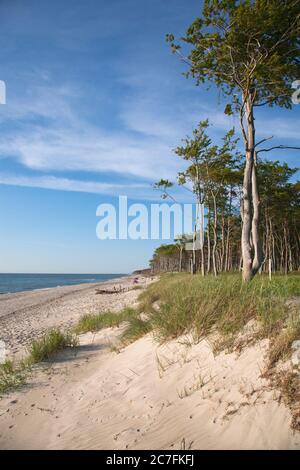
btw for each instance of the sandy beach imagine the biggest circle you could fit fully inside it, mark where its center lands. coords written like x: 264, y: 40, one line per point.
x: 178, y: 395
x: 28, y: 315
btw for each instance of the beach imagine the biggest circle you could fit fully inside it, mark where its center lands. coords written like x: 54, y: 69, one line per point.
x: 25, y: 316
x: 146, y: 395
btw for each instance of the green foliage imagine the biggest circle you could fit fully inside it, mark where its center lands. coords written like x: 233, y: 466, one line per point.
x: 276, y: 190
x: 166, y: 250
x: 96, y: 322
x: 246, y: 45
x: 228, y: 109
x: 193, y: 303
x: 10, y: 376
x: 163, y: 186
x: 14, y: 374
x: 250, y: 50
x: 50, y: 344
x: 136, y: 328
x: 213, y: 169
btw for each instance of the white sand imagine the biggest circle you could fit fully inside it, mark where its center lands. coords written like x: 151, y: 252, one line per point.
x: 28, y: 315
x: 147, y: 397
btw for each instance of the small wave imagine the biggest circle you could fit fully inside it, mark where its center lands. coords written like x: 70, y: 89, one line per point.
x: 39, y: 288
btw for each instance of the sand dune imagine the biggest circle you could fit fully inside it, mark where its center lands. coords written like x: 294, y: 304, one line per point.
x: 145, y: 396
x: 148, y: 396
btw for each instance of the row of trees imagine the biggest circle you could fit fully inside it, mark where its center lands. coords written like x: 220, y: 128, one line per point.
x: 221, y: 193
x: 250, y: 51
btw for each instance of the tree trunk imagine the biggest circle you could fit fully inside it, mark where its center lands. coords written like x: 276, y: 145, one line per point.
x: 208, y: 240
x: 180, y: 259
x: 223, y: 243
x: 215, y: 234
x: 251, y: 248
x: 228, y: 233
x: 247, y: 220
x: 257, y: 260
x: 201, y: 215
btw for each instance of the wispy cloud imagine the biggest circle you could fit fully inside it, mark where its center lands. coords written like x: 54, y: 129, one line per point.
x: 66, y: 184
x: 139, y: 191
x: 51, y: 134
x: 47, y: 129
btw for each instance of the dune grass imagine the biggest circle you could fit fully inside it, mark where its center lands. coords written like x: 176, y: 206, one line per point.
x: 50, y: 344
x: 96, y: 322
x: 135, y: 326
x: 10, y: 376
x: 179, y: 303
x: 13, y: 374
x: 282, y: 342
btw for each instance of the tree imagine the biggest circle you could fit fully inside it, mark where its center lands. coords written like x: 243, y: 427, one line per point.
x: 211, y: 175
x: 250, y: 50
x: 194, y: 151
x: 280, y: 204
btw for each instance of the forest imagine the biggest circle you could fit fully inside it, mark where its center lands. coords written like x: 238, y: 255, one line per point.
x: 247, y: 197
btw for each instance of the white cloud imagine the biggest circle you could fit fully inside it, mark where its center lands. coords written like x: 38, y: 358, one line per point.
x: 68, y: 142
x: 142, y: 148
x: 143, y: 191
x: 66, y: 184
x: 42, y: 101
x: 90, y: 150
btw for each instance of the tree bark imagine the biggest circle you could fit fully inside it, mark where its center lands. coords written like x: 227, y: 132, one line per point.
x: 215, y: 235
x: 257, y: 259
x: 208, y: 240
x: 201, y: 215
x: 251, y: 247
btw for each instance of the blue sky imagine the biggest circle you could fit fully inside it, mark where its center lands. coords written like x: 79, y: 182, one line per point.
x: 95, y: 104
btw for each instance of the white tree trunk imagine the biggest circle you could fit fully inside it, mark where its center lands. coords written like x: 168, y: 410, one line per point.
x: 251, y: 246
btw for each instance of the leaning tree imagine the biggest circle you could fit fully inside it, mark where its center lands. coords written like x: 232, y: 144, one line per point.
x: 250, y: 50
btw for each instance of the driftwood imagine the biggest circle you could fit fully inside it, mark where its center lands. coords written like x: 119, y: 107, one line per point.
x: 114, y: 291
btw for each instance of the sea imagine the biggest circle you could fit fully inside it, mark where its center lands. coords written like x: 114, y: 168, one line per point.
x: 11, y: 283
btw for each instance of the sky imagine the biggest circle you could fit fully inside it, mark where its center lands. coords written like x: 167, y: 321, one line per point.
x: 95, y: 105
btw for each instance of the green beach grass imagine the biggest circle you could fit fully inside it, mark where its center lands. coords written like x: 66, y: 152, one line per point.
x: 181, y: 303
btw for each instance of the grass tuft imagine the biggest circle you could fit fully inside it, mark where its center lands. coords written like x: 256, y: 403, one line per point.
x: 10, y: 376
x: 281, y: 343
x: 288, y: 382
x: 135, y: 329
x: 14, y: 374
x: 50, y: 344
x: 96, y: 322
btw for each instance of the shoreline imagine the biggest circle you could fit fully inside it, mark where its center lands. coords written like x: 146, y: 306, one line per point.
x: 27, y: 315
x: 120, y: 276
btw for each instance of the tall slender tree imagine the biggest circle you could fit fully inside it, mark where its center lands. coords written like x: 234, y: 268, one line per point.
x: 211, y: 170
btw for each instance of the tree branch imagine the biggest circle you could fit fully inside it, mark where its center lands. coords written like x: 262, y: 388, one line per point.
x: 278, y: 147
x: 264, y: 140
